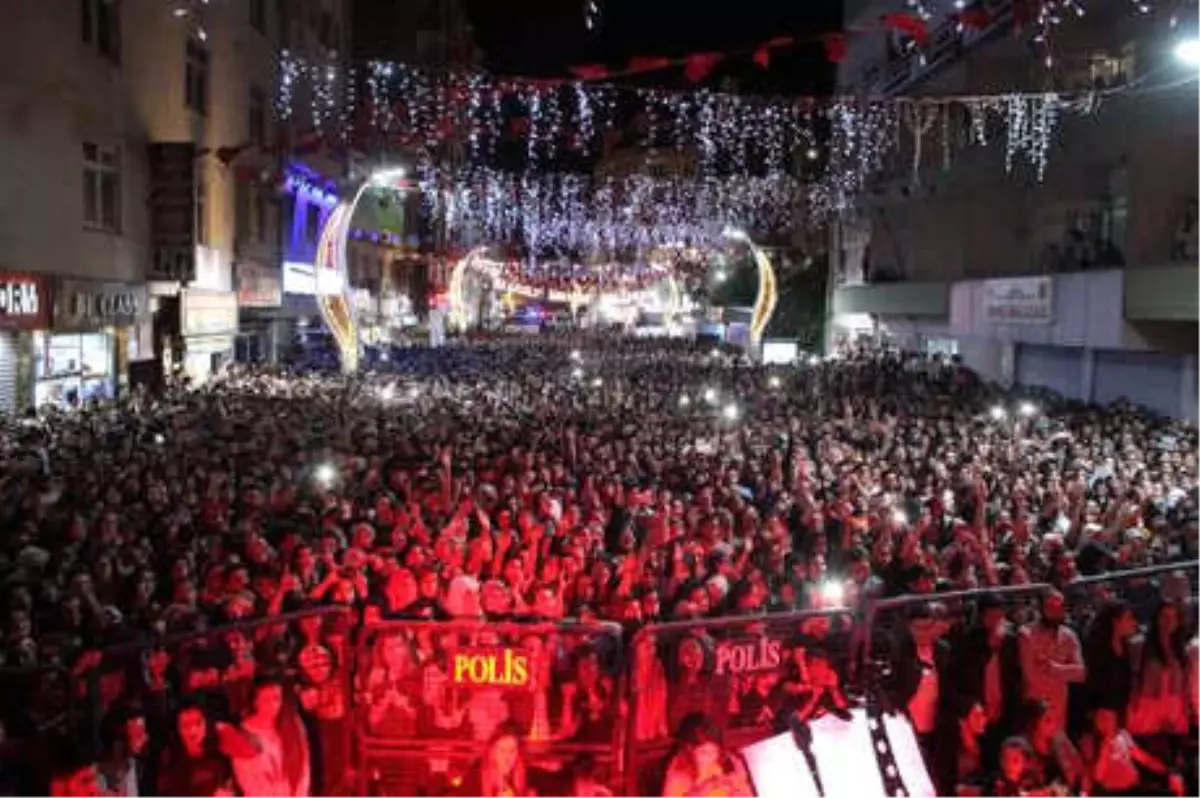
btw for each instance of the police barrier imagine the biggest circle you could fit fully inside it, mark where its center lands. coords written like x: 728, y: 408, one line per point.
x: 435, y: 700
x: 747, y: 676
x: 136, y: 693
x: 957, y: 630
x: 409, y: 707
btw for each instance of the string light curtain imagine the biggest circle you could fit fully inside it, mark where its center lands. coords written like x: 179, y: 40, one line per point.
x: 736, y: 144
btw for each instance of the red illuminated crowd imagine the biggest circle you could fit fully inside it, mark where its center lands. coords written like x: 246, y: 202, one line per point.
x: 526, y: 482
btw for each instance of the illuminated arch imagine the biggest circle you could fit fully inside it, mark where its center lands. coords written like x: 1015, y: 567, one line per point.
x: 476, y: 261
x: 768, y: 291
x: 337, y: 305
x: 764, y: 303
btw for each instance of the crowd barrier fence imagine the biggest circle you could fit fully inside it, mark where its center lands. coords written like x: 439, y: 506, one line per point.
x: 742, y: 673
x: 404, y: 707
x: 431, y: 694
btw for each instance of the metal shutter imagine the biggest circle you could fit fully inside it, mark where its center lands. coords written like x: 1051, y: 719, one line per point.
x: 8, y: 372
x: 1058, y: 368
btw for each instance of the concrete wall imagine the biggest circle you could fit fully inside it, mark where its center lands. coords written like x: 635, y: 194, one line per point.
x: 974, y: 220
x: 56, y: 92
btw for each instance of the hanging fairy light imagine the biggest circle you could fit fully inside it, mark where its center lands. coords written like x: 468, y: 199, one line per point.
x: 591, y: 14
x: 580, y: 212
x: 733, y: 147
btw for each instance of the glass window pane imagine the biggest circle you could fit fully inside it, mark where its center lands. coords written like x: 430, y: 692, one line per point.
x: 86, y: 19
x: 89, y: 197
x: 109, y: 201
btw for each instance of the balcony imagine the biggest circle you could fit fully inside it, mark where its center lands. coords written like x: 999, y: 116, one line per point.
x: 947, y: 42
x: 929, y: 299
x: 1162, y: 293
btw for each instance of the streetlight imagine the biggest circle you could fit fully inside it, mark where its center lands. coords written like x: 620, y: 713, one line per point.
x: 1188, y: 52
x: 710, y: 396
x: 774, y: 382
x: 730, y: 412
x: 999, y: 413
x: 684, y: 401
x: 1028, y: 409
x: 721, y: 276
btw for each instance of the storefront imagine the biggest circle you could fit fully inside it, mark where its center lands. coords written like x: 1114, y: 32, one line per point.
x: 94, y: 335
x: 25, y: 302
x: 262, y: 328
x: 209, y: 326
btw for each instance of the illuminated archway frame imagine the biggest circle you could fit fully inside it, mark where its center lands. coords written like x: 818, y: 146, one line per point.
x: 337, y: 307
x: 764, y: 302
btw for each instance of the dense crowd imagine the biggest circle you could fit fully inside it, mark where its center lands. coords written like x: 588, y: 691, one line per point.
x: 621, y: 480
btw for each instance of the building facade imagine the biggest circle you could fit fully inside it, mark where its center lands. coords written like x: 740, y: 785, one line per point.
x: 427, y: 32
x: 139, y: 148
x: 1085, y: 281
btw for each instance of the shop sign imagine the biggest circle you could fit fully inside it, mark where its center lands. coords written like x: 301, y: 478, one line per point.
x: 1019, y: 300
x: 751, y: 655
x: 83, y: 304
x: 209, y: 313
x: 258, y: 286
x: 24, y: 301
x: 503, y: 667
x: 299, y: 278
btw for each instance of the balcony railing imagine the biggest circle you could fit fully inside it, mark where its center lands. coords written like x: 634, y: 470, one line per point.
x: 947, y: 41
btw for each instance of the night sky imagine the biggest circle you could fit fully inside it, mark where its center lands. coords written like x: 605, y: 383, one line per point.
x: 545, y: 37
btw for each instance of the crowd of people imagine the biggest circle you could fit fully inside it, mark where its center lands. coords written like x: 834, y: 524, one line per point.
x: 192, y: 567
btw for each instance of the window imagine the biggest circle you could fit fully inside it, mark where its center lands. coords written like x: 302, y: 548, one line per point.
x: 196, y: 76
x: 242, y: 202
x: 325, y: 31
x: 259, y: 209
x: 312, y: 223
x: 201, y: 207
x: 258, y: 116
x: 101, y: 27
x: 101, y: 188
x: 258, y: 15
x: 284, y: 22
x: 253, y: 214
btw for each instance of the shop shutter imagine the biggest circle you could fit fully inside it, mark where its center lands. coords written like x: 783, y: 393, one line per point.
x: 8, y: 372
x: 1058, y: 368
x: 1150, y: 379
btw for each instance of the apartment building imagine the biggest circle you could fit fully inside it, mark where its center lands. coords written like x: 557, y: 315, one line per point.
x: 74, y: 239
x: 137, y: 148
x: 1084, y: 282
x: 433, y: 33
x: 205, y: 77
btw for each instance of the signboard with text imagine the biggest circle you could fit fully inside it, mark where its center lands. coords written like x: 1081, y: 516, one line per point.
x: 1019, y: 300
x: 172, y: 211
x: 24, y: 301
x: 492, y: 667
x: 88, y: 305
x: 258, y: 286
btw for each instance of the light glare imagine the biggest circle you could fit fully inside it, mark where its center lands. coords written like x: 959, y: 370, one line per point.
x: 1188, y: 52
